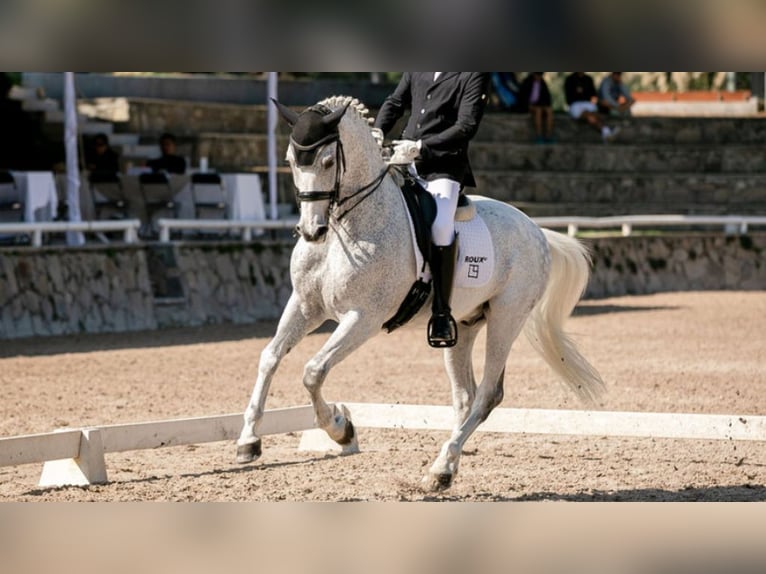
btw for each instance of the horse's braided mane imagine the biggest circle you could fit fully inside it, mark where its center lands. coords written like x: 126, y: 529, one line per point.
x: 362, y: 112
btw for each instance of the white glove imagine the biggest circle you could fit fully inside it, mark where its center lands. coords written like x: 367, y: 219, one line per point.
x: 378, y: 135
x: 405, y: 152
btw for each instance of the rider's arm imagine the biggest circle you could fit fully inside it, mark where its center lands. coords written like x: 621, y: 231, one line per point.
x: 395, y: 104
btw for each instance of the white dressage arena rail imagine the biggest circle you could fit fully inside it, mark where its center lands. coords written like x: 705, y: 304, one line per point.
x: 76, y: 456
x: 245, y: 226
x: 731, y: 223
x: 129, y: 228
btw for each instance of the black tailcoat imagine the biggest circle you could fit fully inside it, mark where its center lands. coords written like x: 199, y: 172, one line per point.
x: 445, y: 115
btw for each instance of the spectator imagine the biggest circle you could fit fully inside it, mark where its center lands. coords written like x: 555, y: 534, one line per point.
x: 614, y: 97
x: 582, y: 98
x: 536, y: 98
x: 103, y: 158
x: 168, y: 161
x: 506, y: 89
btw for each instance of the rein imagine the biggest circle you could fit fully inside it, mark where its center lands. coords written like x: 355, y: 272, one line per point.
x: 369, y: 188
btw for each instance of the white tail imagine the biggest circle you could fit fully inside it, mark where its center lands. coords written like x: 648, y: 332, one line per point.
x: 570, y: 270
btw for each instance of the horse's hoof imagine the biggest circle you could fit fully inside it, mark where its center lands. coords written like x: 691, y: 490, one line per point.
x: 348, y: 434
x: 438, y: 482
x: 444, y: 481
x: 247, y: 453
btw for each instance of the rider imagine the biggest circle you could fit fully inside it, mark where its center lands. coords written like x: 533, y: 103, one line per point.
x: 446, y: 108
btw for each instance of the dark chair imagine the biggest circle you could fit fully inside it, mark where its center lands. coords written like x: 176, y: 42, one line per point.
x: 108, y: 196
x: 11, y: 200
x: 11, y: 208
x: 158, y: 197
x: 208, y: 195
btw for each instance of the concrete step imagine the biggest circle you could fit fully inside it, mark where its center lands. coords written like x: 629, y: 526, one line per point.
x: 503, y: 127
x: 732, y: 192
x: 21, y: 93
x: 549, y: 193
x: 232, y: 151
x: 40, y: 105
x: 93, y: 128
x: 189, y: 119
x: 84, y: 124
x: 661, y: 158
x: 57, y: 116
x: 139, y: 151
x: 124, y: 139
x: 193, y: 118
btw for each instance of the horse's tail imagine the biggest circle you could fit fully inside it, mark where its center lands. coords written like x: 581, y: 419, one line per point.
x: 570, y: 270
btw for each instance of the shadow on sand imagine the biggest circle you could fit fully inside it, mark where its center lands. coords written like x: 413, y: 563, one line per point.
x: 87, y: 343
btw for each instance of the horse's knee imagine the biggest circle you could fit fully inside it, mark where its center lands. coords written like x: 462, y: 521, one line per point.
x: 269, y: 361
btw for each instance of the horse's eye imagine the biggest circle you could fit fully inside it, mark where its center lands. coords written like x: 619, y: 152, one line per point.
x: 328, y: 162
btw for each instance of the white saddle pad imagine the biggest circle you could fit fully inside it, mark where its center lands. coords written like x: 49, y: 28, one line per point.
x: 475, y: 256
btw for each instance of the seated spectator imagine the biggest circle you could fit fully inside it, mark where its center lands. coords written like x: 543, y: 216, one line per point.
x: 168, y: 162
x: 103, y: 158
x: 535, y: 97
x: 614, y: 97
x: 581, y: 96
x: 506, y: 89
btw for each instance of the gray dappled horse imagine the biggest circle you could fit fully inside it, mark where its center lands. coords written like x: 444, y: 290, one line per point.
x: 355, y: 262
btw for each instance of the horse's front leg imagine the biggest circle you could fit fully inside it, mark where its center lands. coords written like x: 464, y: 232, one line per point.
x: 353, y: 330
x: 293, y: 326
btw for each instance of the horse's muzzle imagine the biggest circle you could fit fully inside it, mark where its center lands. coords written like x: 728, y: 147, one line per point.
x: 319, y: 234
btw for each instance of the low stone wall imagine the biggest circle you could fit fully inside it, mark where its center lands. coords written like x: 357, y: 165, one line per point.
x: 58, y: 291
x: 228, y: 283
x: 61, y: 291
x: 653, y: 264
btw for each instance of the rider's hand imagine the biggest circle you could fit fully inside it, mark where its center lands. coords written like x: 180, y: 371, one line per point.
x: 405, y: 152
x: 378, y: 135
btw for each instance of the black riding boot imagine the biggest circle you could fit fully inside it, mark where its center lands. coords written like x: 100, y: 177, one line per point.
x: 442, y: 329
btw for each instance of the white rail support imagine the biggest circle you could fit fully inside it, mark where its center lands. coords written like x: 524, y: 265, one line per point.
x: 129, y: 228
x: 245, y: 226
x: 77, y: 456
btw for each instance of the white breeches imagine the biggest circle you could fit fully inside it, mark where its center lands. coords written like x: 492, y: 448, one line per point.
x: 446, y: 193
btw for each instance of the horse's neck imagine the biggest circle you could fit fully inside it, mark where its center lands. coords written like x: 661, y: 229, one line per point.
x: 371, y: 206
x: 382, y: 208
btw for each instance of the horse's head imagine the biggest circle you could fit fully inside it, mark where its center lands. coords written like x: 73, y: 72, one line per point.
x: 318, y: 160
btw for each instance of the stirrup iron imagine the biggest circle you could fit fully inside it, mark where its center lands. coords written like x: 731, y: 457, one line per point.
x: 446, y: 336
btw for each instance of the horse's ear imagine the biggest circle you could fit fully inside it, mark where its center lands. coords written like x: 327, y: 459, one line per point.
x: 289, y: 115
x: 334, y: 118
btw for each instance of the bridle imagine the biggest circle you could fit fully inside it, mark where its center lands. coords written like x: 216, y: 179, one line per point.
x: 333, y: 195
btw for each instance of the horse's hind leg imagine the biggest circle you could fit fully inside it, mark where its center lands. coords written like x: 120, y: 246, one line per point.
x: 458, y: 362
x: 353, y: 330
x: 502, y: 330
x: 293, y: 326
